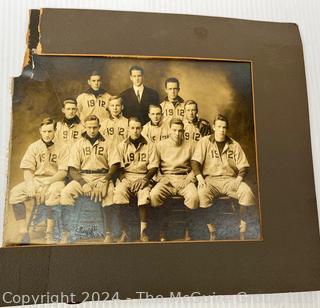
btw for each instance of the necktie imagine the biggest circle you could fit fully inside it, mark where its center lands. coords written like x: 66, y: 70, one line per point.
x: 138, y: 96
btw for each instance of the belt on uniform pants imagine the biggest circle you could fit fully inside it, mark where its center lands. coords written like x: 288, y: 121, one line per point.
x: 99, y: 171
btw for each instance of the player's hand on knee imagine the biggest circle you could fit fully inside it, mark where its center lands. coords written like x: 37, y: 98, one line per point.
x: 104, y: 190
x: 201, y: 181
x: 42, y: 194
x: 31, y: 191
x: 86, y: 190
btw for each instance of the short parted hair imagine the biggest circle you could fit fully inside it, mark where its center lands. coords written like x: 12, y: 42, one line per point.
x: 116, y: 97
x: 221, y: 117
x: 136, y: 68
x: 172, y: 79
x: 48, y: 121
x: 69, y: 100
x: 94, y: 73
x: 134, y: 119
x: 190, y: 102
x: 155, y: 106
x: 92, y: 117
x: 176, y: 121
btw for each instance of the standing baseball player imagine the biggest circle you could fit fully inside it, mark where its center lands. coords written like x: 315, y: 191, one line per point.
x: 95, y: 100
x: 69, y: 130
x: 194, y: 127
x: 173, y: 104
x: 139, y: 163
x: 115, y: 127
x: 93, y: 161
x: 156, y: 129
x: 136, y: 100
x: 177, y: 178
x: 220, y: 166
x: 44, y: 166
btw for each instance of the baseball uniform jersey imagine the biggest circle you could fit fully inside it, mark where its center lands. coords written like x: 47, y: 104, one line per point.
x: 136, y: 162
x: 156, y: 133
x: 68, y: 134
x: 231, y: 160
x: 45, y: 161
x: 191, y: 131
x: 171, y: 110
x: 90, y: 104
x: 115, y: 128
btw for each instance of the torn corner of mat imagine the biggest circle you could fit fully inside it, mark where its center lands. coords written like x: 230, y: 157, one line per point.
x: 32, y: 40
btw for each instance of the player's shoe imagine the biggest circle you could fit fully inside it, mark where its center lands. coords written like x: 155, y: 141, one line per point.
x: 162, y: 237
x: 242, y: 229
x: 144, y: 237
x: 123, y: 237
x: 108, y: 238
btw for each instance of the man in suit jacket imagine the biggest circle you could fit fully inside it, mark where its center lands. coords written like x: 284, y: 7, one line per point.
x: 136, y: 100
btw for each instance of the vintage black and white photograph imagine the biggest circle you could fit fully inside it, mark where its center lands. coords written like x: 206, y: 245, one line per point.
x: 113, y: 150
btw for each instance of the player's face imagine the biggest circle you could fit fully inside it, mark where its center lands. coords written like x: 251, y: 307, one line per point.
x: 172, y: 90
x: 69, y: 110
x: 47, y: 132
x: 134, y: 130
x: 220, y: 130
x: 136, y: 78
x: 155, y: 115
x: 115, y: 107
x: 191, y: 112
x: 176, y: 132
x: 92, y: 128
x: 95, y: 82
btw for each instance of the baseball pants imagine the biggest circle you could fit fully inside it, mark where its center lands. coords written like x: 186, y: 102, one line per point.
x: 74, y: 189
x: 220, y: 186
x: 122, y: 192
x: 168, y: 186
x: 18, y: 193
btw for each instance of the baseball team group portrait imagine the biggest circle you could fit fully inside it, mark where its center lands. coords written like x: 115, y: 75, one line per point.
x: 110, y: 150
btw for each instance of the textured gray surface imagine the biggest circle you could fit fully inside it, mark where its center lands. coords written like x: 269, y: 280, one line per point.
x: 14, y: 21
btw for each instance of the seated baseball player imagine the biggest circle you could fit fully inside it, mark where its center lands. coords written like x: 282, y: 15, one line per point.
x: 220, y: 166
x: 173, y: 104
x: 194, y: 127
x: 69, y: 129
x: 176, y: 177
x: 44, y: 166
x: 115, y: 127
x: 139, y: 163
x: 95, y: 100
x: 156, y: 129
x: 93, y: 161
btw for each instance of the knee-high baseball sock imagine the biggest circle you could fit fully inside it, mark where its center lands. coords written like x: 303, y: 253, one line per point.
x: 19, y: 210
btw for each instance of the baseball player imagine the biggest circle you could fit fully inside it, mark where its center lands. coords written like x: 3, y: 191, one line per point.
x: 156, y: 129
x: 194, y: 127
x: 220, y: 166
x: 94, y: 100
x: 177, y: 178
x: 173, y: 104
x: 93, y: 161
x: 70, y: 128
x: 139, y: 163
x: 115, y: 127
x: 44, y: 166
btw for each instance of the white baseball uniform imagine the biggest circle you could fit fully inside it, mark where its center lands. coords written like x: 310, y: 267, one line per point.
x: 93, y: 162
x: 220, y: 170
x: 68, y: 134
x: 175, y: 169
x: 191, y: 131
x: 89, y: 104
x: 156, y: 133
x: 45, y: 161
x: 115, y: 128
x: 171, y: 110
x: 136, y: 162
